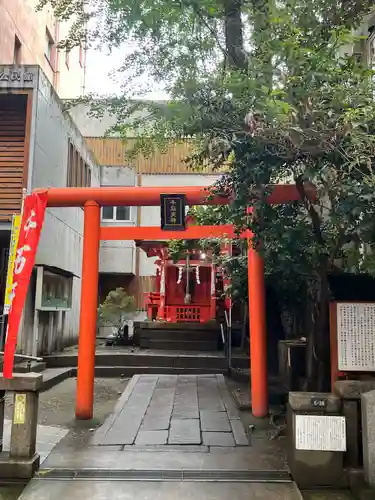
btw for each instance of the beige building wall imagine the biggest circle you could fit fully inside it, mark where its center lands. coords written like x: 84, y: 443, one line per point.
x: 71, y: 68
x: 30, y: 37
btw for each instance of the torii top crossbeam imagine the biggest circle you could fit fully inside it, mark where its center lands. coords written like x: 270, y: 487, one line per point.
x: 150, y: 196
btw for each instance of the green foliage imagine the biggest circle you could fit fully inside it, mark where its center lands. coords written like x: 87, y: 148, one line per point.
x: 116, y: 308
x: 271, y: 90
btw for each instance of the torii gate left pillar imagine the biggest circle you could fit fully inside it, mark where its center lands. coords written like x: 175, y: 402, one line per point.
x: 92, y: 199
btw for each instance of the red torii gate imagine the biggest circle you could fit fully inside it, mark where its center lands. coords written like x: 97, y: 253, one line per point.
x: 91, y: 199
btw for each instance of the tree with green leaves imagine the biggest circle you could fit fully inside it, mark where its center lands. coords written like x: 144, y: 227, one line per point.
x: 273, y: 91
x: 116, y: 309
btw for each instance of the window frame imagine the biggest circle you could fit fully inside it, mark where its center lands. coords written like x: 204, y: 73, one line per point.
x: 78, y: 172
x: 50, y: 53
x: 114, y: 218
x: 370, y: 45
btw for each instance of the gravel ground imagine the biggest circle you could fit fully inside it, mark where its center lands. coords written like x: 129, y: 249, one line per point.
x: 57, y: 406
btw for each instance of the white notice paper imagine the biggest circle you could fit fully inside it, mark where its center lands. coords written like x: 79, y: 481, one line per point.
x: 356, y: 336
x: 320, y: 433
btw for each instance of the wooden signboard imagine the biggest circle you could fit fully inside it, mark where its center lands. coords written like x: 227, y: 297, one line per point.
x: 173, y: 216
x: 352, y: 332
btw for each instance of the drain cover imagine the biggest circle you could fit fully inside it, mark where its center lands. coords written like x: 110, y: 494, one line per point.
x: 167, y: 475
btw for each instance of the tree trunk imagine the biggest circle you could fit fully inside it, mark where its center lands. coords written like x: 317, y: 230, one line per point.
x: 262, y: 25
x: 234, y: 34
x: 318, y: 359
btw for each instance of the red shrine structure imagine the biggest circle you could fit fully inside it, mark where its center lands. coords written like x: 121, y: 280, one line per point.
x: 190, y: 290
x: 91, y: 199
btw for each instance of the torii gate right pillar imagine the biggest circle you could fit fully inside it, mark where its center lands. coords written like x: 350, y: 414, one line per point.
x: 258, y: 332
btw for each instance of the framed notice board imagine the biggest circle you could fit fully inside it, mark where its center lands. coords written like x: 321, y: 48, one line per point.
x: 352, y: 335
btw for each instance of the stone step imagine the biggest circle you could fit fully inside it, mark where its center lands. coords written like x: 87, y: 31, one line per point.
x: 129, y: 371
x: 180, y: 335
x: 173, y: 359
x: 204, y: 345
x: 186, y: 327
x: 167, y: 490
x: 35, y: 367
x: 53, y: 376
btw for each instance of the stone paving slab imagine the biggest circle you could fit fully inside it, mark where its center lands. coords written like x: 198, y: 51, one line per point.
x: 215, y: 421
x: 218, y: 439
x: 180, y: 407
x: 50, y: 489
x: 151, y: 437
x: 185, y: 431
x: 239, y: 435
x: 264, y: 458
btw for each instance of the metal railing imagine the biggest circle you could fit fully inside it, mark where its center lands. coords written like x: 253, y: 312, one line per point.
x: 29, y: 359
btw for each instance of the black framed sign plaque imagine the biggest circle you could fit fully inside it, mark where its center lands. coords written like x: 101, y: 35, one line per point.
x: 173, y: 212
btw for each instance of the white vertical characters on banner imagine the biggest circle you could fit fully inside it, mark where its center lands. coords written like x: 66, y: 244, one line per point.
x: 30, y: 223
x: 12, y: 294
x: 19, y: 265
x: 20, y: 261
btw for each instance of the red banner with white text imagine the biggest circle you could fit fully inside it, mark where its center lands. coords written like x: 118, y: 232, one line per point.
x: 32, y: 222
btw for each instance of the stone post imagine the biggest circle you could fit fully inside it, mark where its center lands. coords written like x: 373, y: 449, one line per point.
x: 316, y: 440
x: 2, y: 408
x: 22, y: 460
x: 368, y: 436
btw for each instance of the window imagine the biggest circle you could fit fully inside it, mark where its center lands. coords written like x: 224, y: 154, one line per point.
x: 67, y: 59
x: 78, y: 171
x: 17, y: 51
x: 116, y: 214
x: 50, y: 48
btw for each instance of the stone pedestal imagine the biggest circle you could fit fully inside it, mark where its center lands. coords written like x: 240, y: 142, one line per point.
x: 311, y: 459
x: 350, y: 391
x: 22, y: 461
x: 368, y: 435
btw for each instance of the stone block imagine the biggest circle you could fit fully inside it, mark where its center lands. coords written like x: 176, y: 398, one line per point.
x: 150, y: 438
x: 18, y: 469
x: 213, y: 403
x: 368, y: 436
x: 155, y: 423
x: 24, y: 426
x: 313, y: 468
x: 352, y: 389
x: 239, y: 433
x: 22, y: 382
x: 185, y: 412
x: 184, y: 431
x: 302, y: 401
x: 218, y: 439
x: 214, y: 421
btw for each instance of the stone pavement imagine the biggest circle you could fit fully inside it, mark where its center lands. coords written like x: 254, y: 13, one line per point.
x: 174, y: 410
x: 162, y: 490
x: 168, y: 437
x: 47, y: 438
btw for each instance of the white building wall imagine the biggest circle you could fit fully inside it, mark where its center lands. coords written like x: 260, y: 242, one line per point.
x: 150, y: 216
x: 60, y: 244
x: 118, y: 256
